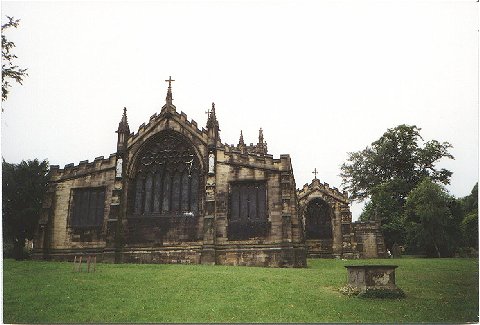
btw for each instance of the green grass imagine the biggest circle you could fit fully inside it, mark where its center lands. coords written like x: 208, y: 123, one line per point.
x: 438, y: 290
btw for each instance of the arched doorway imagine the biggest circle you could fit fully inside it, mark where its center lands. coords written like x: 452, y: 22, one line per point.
x: 318, y: 220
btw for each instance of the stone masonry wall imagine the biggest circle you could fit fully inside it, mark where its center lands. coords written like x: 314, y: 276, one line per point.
x: 368, y: 239
x: 282, y: 245
x: 55, y: 233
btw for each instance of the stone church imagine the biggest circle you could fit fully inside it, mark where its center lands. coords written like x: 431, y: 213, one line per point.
x: 175, y: 193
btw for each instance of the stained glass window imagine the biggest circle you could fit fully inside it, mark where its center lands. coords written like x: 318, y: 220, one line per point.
x: 167, y: 178
x: 248, y: 216
x: 87, y: 207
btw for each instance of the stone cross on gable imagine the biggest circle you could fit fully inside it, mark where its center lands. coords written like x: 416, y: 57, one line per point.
x: 315, y: 172
x: 169, y: 80
x: 210, y: 111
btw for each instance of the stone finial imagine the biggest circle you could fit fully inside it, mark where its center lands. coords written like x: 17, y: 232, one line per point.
x: 240, y: 141
x: 123, y: 132
x: 241, y: 144
x: 261, y: 147
x: 212, y: 118
x: 123, y: 125
x: 212, y: 128
x: 169, y: 97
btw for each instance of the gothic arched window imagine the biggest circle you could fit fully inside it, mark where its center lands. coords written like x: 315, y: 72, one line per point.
x: 167, y: 179
x: 318, y: 220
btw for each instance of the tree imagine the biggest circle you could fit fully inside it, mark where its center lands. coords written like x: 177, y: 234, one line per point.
x: 387, y: 207
x: 469, y: 223
x: 395, y: 158
x: 430, y: 225
x: 24, y: 187
x: 388, y: 170
x: 9, y: 69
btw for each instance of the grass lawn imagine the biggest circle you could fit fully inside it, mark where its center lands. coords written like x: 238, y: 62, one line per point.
x: 438, y: 290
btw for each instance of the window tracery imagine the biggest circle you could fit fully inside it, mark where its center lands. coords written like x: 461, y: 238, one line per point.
x: 167, y: 179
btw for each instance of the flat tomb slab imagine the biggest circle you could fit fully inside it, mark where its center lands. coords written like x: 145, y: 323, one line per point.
x: 365, y: 277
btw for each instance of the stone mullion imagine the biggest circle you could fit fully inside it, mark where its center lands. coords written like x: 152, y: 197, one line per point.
x: 180, y: 196
x: 160, y: 191
x: 189, y: 188
x: 170, y: 194
x: 144, y: 195
x: 152, y: 193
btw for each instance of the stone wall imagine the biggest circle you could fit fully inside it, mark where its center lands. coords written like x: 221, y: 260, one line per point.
x: 349, y: 240
x: 368, y: 241
x: 55, y: 235
x: 199, y: 238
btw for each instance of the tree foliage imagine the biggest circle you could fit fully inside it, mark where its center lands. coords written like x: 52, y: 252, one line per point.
x: 24, y: 186
x: 431, y: 227
x: 469, y: 223
x: 9, y: 69
x: 396, y: 158
x: 388, y: 170
x: 385, y: 205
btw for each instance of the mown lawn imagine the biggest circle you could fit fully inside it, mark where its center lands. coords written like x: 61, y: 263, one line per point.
x: 438, y: 290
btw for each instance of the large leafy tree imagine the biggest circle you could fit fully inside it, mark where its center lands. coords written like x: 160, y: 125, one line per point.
x: 386, y: 171
x: 10, y: 71
x: 397, y: 158
x: 24, y: 186
x: 430, y: 224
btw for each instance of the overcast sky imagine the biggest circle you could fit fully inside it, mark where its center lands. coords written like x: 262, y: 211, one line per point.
x: 322, y: 78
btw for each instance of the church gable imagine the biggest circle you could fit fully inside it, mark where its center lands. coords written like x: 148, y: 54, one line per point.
x: 173, y: 122
x: 324, y: 191
x: 327, y: 220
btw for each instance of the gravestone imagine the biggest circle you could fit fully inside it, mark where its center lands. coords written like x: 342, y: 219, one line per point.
x: 396, y: 251
x: 376, y: 281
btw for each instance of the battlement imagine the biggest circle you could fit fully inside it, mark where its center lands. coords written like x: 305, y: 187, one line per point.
x: 254, y: 159
x: 324, y: 188
x: 181, y: 118
x: 83, y: 168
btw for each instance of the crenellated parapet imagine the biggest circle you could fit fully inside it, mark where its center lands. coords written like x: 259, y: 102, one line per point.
x: 254, y: 160
x: 165, y: 120
x: 324, y: 188
x: 84, y: 168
